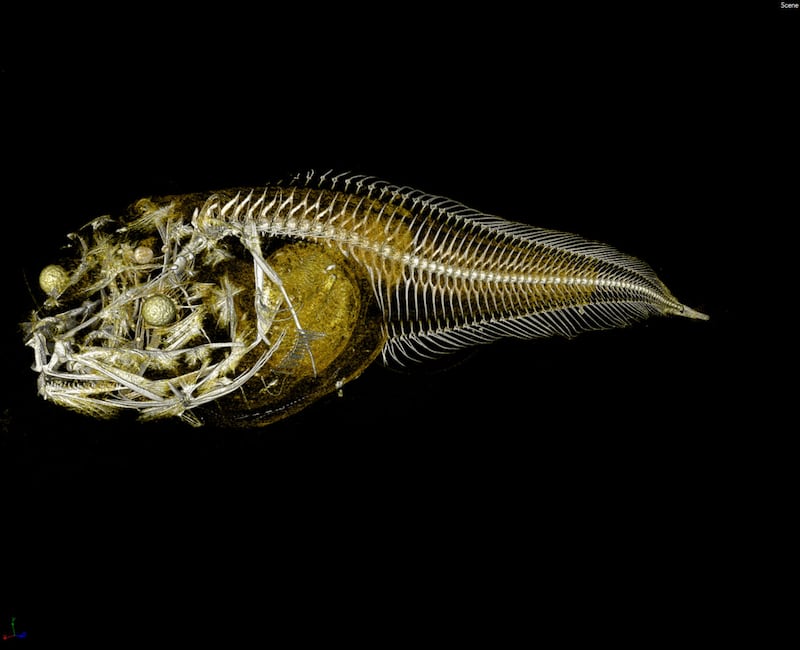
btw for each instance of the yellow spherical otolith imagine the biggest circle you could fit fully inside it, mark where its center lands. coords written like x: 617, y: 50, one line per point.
x: 159, y: 310
x: 143, y: 255
x: 53, y: 279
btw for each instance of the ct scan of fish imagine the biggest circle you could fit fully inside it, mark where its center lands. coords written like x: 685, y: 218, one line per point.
x: 241, y: 307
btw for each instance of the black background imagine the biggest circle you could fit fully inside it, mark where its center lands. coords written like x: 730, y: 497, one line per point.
x: 597, y: 484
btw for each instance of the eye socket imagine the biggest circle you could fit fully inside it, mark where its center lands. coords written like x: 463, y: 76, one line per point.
x: 159, y: 310
x: 53, y: 279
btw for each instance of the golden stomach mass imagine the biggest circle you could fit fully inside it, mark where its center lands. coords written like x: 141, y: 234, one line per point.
x: 341, y: 335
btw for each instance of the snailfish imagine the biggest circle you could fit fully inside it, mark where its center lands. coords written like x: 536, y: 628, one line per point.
x: 243, y: 306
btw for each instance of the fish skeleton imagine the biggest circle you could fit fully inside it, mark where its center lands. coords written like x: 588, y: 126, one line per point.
x: 243, y: 306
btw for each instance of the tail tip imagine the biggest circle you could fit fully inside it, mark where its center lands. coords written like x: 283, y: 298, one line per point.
x: 688, y: 312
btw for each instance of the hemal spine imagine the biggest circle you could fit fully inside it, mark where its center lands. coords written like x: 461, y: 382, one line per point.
x: 248, y: 304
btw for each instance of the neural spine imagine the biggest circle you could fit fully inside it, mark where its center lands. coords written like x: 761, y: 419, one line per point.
x: 446, y: 276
